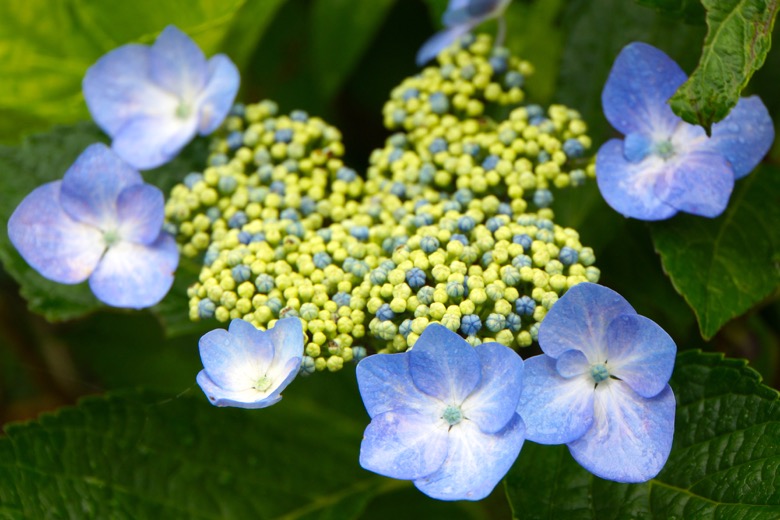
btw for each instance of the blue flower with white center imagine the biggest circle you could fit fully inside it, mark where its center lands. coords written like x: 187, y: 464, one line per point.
x: 153, y: 99
x: 459, y: 19
x: 601, y: 386
x: 102, y: 223
x: 665, y: 165
x: 248, y: 368
x: 443, y: 414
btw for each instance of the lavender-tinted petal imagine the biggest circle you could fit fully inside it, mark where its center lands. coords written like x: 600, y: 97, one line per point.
x: 177, y: 64
x: 494, y: 402
x: 218, y: 96
x: 443, y: 365
x: 640, y: 353
x: 257, y: 344
x: 287, y: 338
x: 136, y: 275
x: 404, y: 445
x: 579, y: 320
x: 55, y: 245
x: 640, y: 83
x: 628, y: 187
x: 92, y: 185
x: 476, y: 461
x: 231, y: 360
x: 249, y: 399
x: 440, y: 41
x: 631, y: 436
x: 385, y: 384
x: 572, y: 363
x: 140, y: 213
x: 555, y: 410
x: 148, y: 142
x: 286, y: 374
x: 698, y: 183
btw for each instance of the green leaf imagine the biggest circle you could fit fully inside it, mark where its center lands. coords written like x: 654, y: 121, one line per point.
x: 725, y: 266
x: 738, y: 39
x: 247, y: 29
x: 723, y: 464
x: 690, y: 10
x: 46, y: 47
x: 137, y: 455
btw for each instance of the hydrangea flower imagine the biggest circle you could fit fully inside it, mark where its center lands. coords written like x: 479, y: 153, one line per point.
x: 153, y: 99
x: 665, y: 165
x: 460, y: 18
x: 443, y: 414
x: 102, y: 223
x: 247, y: 367
x: 601, y: 385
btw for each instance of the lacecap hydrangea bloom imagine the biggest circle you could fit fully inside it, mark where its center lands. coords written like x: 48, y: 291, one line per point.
x: 601, y: 386
x: 153, y: 99
x: 459, y: 19
x: 443, y: 414
x: 102, y: 223
x: 665, y: 165
x: 248, y: 368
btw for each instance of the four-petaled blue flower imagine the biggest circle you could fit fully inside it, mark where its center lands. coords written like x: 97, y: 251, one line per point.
x: 152, y: 100
x: 460, y: 18
x: 601, y: 385
x: 443, y: 414
x: 247, y: 367
x: 665, y: 165
x: 102, y: 223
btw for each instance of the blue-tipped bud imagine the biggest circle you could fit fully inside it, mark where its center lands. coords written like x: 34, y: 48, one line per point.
x: 429, y: 244
x: 415, y: 277
x: 525, y: 305
x: 241, y: 273
x: 495, y: 322
x: 514, y: 322
x: 238, y: 220
x: 470, y: 324
x: 206, y: 309
x: 264, y: 283
x: 568, y: 256
x: 384, y: 313
x: 322, y: 260
x: 342, y: 299
x: 573, y: 148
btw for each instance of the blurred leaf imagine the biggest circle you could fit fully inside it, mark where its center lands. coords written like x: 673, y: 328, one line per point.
x: 723, y: 463
x: 46, y: 47
x: 690, y: 10
x: 174, y: 311
x: 133, y: 455
x: 737, y: 42
x: 248, y: 27
x: 724, y: 266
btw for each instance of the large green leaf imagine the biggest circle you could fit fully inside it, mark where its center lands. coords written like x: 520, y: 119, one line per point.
x: 724, y: 266
x: 690, y: 10
x: 46, y: 47
x: 724, y: 461
x: 247, y: 29
x: 738, y: 39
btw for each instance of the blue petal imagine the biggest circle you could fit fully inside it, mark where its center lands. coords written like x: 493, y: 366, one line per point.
x: 476, y: 462
x: 440, y: 41
x: 631, y: 436
x: 234, y: 362
x: 148, y: 142
x: 443, y: 365
x: 640, y: 353
x: 494, y: 402
x: 555, y: 410
x: 140, y: 212
x: 177, y: 64
x: 572, y: 363
x: 404, y: 445
x: 636, y: 147
x: 473, y: 11
x: 217, y: 98
x: 286, y: 336
x: 54, y: 244
x: 640, y: 83
x: 629, y: 186
x: 385, y: 384
x: 698, y: 183
x: 241, y: 399
x: 92, y: 185
x: 579, y: 320
x: 135, y: 275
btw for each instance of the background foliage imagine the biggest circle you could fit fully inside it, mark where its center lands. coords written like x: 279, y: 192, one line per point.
x: 154, y: 447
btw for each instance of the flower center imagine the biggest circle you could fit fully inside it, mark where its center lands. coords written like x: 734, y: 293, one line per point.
x: 184, y: 110
x: 452, y: 415
x: 263, y: 384
x: 111, y: 237
x: 599, y: 372
x: 664, y: 149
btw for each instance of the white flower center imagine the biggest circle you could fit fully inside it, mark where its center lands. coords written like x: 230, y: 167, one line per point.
x: 263, y: 384
x: 111, y: 237
x: 184, y: 110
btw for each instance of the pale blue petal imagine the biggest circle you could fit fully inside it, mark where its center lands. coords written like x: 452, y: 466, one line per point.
x: 640, y: 83
x: 54, y: 244
x: 220, y: 92
x: 472, y: 12
x: 640, y: 353
x: 135, y: 275
x: 629, y: 187
x: 555, y: 410
x: 286, y: 374
x: 404, y: 445
x: 287, y: 338
x: 249, y: 399
x: 443, y: 365
x: 140, y: 211
x: 631, y: 436
x: 177, y: 64
x: 257, y: 344
x: 385, y: 384
x: 234, y: 362
x: 92, y: 185
x: 440, y: 41
x: 476, y: 462
x: 149, y: 142
x: 698, y: 183
x: 572, y: 363
x: 494, y: 402
x: 579, y: 320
